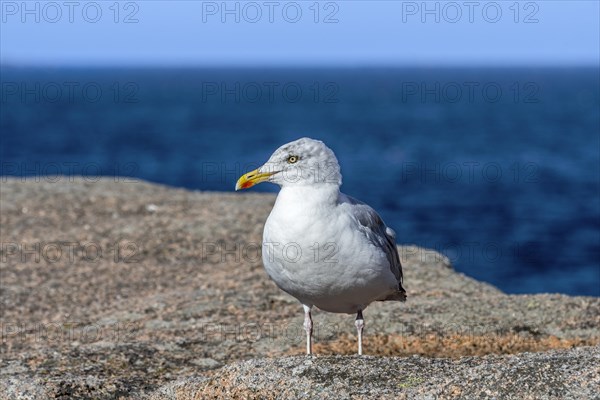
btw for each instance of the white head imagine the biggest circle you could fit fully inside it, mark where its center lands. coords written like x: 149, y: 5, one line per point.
x: 301, y: 162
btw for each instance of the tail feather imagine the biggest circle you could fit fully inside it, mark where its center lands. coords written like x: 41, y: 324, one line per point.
x: 400, y: 295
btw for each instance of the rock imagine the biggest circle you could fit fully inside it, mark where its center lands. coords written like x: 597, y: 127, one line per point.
x: 562, y: 374
x: 206, y: 363
x: 22, y: 388
x: 145, y: 300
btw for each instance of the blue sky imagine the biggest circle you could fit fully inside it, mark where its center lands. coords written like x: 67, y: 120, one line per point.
x: 300, y: 33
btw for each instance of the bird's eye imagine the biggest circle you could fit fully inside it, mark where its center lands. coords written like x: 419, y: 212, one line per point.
x: 292, y: 159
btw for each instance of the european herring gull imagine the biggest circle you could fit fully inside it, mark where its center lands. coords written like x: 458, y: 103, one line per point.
x: 321, y: 246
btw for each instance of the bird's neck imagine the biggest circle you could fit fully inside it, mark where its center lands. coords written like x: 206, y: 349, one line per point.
x: 297, y: 208
x: 322, y: 194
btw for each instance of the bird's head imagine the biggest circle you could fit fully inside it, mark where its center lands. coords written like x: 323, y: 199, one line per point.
x: 301, y: 162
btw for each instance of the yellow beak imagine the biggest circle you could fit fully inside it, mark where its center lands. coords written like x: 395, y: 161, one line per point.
x: 252, y: 178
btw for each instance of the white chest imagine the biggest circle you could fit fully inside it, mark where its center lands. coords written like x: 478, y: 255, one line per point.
x: 312, y: 250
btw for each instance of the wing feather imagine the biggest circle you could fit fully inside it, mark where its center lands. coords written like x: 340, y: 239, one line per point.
x: 381, y: 236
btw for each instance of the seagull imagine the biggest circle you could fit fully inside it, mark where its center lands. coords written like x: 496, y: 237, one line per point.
x: 321, y: 246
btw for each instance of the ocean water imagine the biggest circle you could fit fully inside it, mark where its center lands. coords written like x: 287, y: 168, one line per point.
x: 499, y: 169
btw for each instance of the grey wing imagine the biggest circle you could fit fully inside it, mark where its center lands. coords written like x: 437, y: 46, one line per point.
x: 384, y: 237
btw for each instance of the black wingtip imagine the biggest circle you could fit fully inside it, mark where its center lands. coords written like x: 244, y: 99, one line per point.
x: 398, y: 296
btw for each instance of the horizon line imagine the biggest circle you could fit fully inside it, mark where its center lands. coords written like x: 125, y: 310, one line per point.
x: 286, y: 65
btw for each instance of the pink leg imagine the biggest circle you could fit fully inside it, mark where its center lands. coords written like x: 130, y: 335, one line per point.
x: 360, y: 324
x: 308, y: 326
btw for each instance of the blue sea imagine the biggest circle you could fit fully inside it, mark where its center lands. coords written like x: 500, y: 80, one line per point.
x: 499, y: 169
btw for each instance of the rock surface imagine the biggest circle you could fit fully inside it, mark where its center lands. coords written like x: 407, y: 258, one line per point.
x: 572, y: 374
x: 115, y: 288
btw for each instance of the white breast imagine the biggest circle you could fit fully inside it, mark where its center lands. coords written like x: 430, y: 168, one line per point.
x: 313, y: 250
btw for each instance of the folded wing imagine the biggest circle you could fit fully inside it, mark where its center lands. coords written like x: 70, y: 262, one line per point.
x: 382, y: 236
